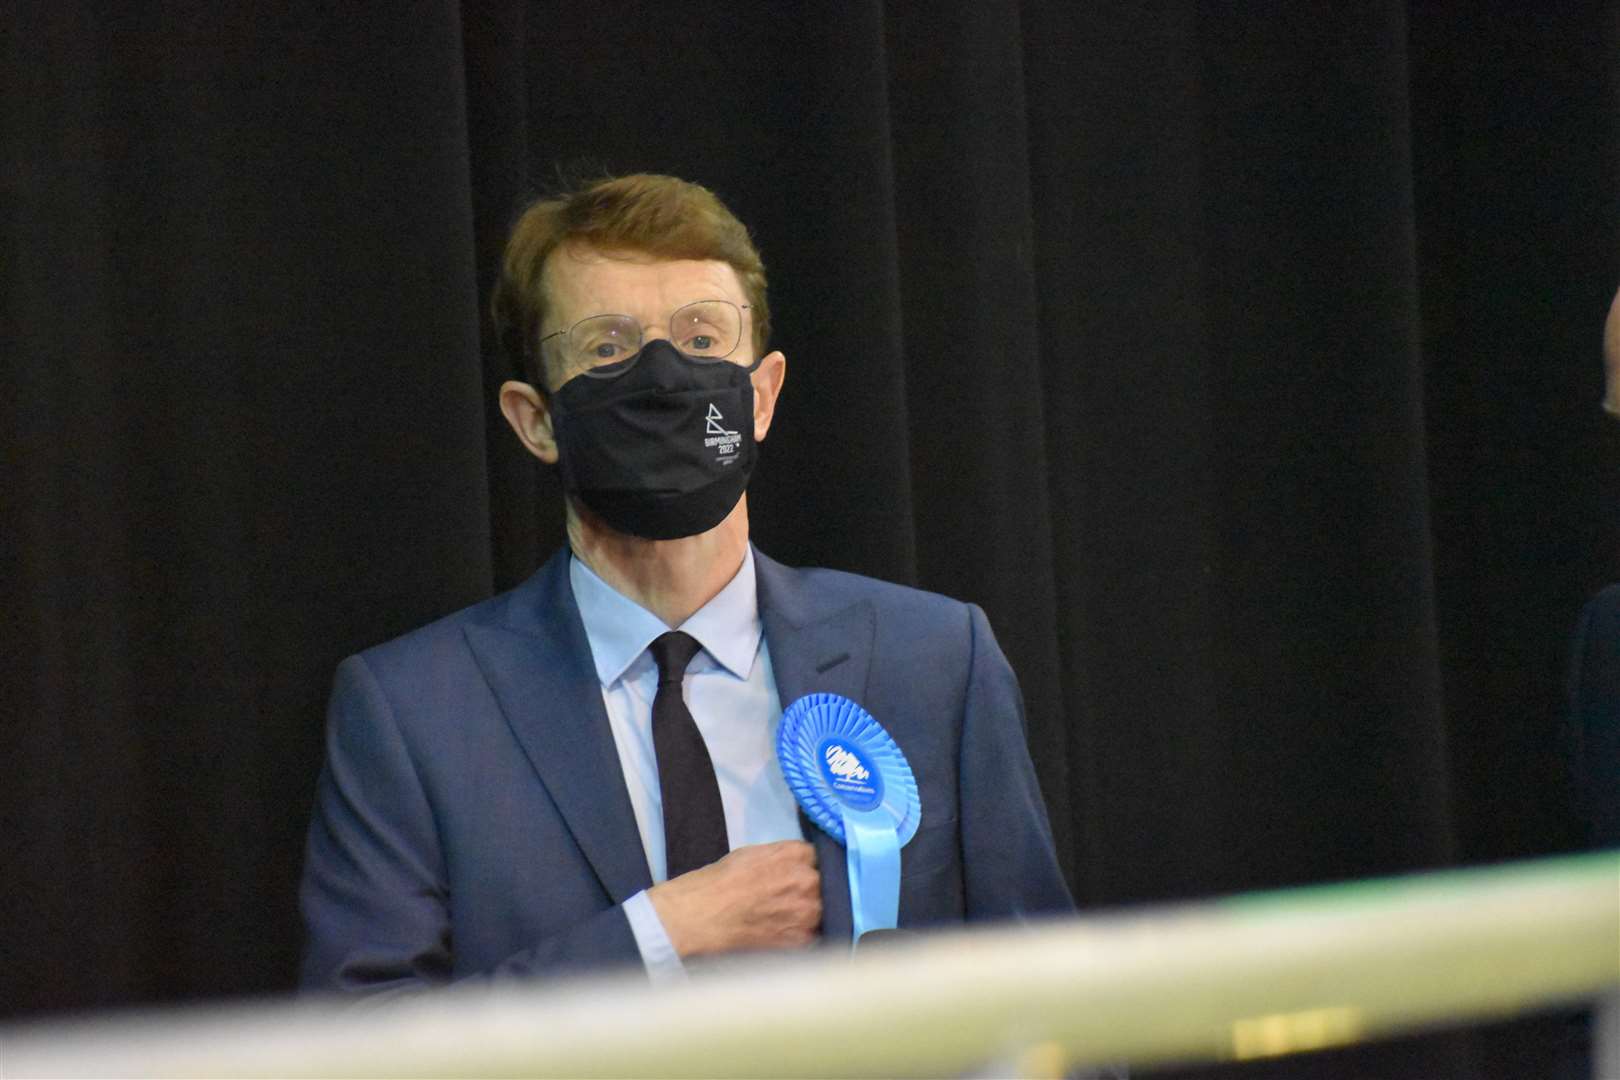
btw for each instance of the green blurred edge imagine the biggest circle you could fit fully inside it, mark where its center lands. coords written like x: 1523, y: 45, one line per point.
x: 1435, y: 884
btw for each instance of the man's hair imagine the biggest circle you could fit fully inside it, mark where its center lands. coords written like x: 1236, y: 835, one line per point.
x: 647, y: 214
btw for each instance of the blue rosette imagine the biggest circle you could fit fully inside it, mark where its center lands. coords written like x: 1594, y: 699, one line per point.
x: 853, y: 781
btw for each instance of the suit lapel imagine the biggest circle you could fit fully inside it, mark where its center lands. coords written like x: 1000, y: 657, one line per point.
x: 816, y: 648
x: 538, y: 663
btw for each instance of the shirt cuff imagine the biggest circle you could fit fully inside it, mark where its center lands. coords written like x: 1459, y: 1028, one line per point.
x: 658, y: 953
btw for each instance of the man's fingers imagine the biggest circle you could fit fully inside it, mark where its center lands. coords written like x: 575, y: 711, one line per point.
x: 762, y: 896
x: 797, y: 850
x: 802, y: 850
x: 793, y: 851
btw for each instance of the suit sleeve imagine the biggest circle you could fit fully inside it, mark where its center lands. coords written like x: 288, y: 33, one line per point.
x: 375, y: 893
x: 1010, y: 867
x: 1591, y: 735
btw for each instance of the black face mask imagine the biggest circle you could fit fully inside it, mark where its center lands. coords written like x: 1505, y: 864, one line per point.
x: 659, y: 446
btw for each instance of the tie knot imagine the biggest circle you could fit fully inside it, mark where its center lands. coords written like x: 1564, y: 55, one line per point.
x: 672, y: 652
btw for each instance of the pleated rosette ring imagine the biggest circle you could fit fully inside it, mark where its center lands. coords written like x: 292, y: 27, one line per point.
x: 853, y: 781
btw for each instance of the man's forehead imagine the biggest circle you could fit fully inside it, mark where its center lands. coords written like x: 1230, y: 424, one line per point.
x: 578, y: 279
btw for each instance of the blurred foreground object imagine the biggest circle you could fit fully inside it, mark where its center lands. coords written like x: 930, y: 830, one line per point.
x: 1249, y: 977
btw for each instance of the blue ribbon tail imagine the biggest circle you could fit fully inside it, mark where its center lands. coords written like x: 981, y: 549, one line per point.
x: 873, y: 851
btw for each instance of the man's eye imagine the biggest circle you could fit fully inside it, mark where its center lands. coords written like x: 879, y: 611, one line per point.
x: 700, y: 342
x: 605, y: 350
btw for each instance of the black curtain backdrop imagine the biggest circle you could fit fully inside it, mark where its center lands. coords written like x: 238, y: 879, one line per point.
x: 1241, y: 360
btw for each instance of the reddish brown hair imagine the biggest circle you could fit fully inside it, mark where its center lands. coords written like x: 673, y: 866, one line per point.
x: 653, y: 215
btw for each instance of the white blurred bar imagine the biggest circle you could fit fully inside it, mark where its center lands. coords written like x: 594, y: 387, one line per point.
x: 1252, y: 976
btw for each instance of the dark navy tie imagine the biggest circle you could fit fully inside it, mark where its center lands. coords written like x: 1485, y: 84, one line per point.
x: 694, y: 820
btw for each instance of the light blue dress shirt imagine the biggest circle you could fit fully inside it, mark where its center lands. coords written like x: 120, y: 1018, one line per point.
x: 732, y: 697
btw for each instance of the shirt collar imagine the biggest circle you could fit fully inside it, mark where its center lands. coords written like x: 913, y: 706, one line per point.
x: 619, y: 629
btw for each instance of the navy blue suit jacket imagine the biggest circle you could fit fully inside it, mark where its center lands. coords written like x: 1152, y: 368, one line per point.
x: 1592, y: 742
x: 472, y: 817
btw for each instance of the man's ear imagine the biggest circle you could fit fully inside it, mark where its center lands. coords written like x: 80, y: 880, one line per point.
x: 767, y: 379
x: 527, y: 410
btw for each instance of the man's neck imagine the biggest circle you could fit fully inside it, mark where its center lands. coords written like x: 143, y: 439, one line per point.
x: 670, y: 578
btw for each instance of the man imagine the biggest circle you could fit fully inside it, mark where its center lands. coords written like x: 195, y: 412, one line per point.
x: 1611, y: 358
x: 555, y: 779
x: 1591, y: 745
x: 1592, y: 741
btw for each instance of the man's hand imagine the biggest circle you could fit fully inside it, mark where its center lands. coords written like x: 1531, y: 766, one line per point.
x: 764, y: 896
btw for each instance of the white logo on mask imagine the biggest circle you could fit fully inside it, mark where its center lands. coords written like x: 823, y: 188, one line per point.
x: 719, y: 439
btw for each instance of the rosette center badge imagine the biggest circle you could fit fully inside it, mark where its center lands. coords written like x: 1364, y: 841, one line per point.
x: 852, y: 780
x: 858, y: 785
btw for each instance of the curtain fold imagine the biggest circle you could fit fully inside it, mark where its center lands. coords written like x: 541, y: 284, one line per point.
x: 244, y: 437
x: 972, y: 348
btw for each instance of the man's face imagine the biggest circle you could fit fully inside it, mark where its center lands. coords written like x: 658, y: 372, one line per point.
x: 580, y: 282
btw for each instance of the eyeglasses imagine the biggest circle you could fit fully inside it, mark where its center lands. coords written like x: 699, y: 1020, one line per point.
x: 706, y: 329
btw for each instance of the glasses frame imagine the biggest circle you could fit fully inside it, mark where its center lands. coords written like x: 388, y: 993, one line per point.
x: 619, y: 367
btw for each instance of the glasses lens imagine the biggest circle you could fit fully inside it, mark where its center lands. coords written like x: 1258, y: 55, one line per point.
x: 707, y: 328
x: 602, y: 340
